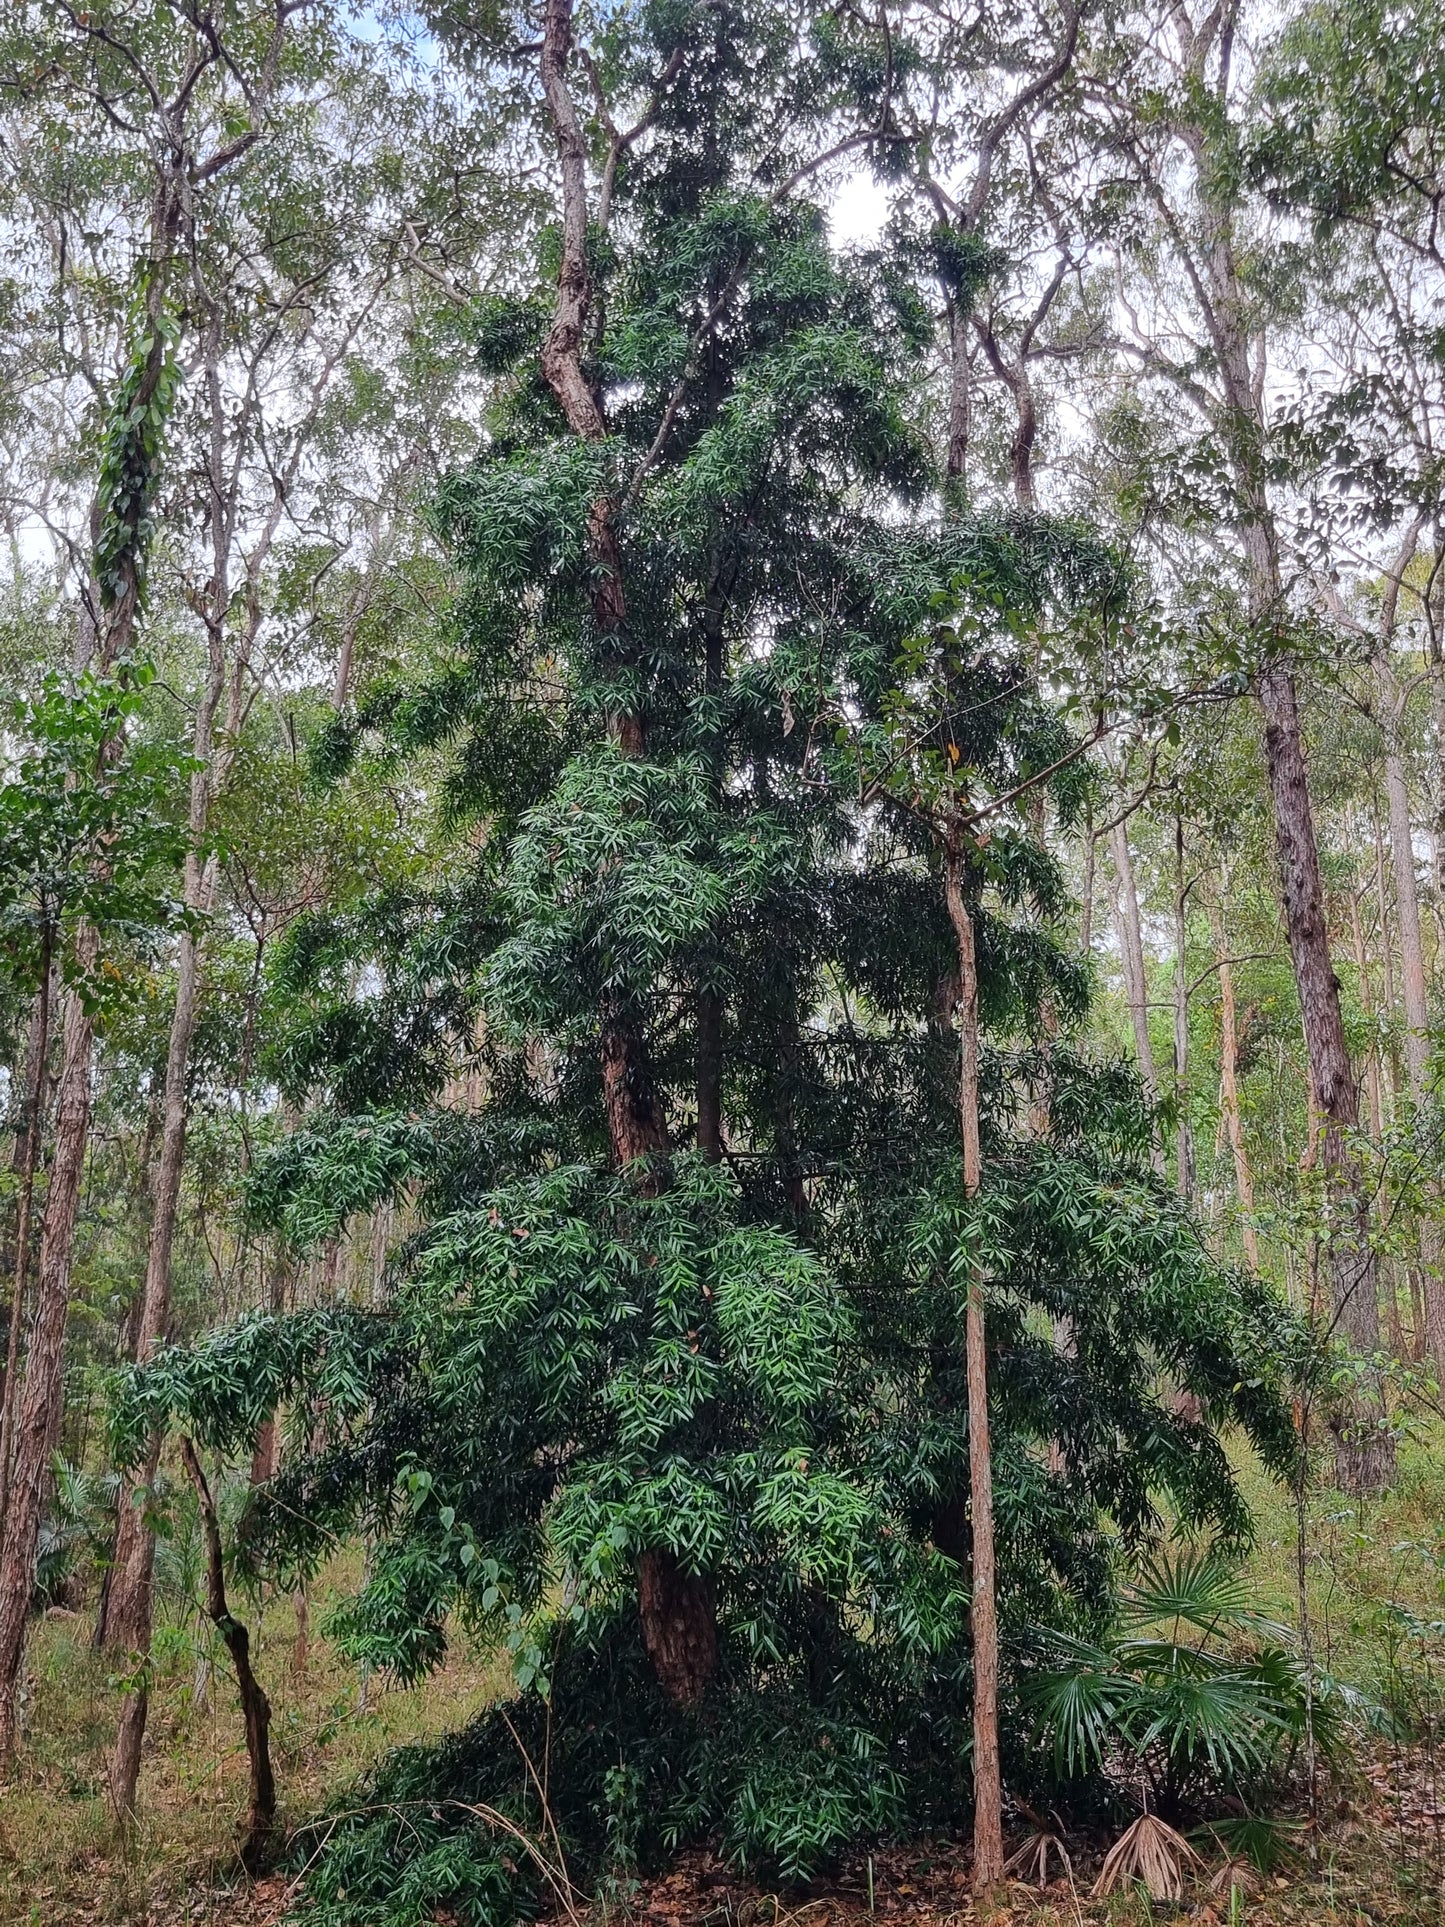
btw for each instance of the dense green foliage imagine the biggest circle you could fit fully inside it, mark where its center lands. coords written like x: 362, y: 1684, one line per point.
x: 754, y: 1366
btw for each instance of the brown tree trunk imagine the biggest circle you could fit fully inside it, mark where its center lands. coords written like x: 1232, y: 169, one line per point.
x: 1366, y: 1452
x: 987, y: 1781
x: 679, y: 1625
x: 36, y: 1074
x: 259, y: 1833
x: 39, y: 1422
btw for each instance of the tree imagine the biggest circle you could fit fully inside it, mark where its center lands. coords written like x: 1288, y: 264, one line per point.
x: 687, y: 1336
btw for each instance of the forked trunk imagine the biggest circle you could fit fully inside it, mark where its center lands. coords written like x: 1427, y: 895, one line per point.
x: 258, y: 1837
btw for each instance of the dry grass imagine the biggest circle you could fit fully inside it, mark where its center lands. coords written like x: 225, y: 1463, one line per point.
x: 63, y: 1859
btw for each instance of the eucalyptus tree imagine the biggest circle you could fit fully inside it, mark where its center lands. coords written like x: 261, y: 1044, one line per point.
x: 1208, y: 287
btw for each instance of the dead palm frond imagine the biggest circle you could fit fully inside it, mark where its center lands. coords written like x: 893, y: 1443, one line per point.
x: 1235, y: 1873
x: 1031, y: 1860
x: 1151, y: 1853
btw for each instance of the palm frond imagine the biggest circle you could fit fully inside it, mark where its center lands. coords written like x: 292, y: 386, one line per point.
x: 1152, y: 1854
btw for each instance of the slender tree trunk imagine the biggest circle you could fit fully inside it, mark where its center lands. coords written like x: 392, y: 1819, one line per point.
x: 1366, y: 1452
x: 1229, y: 1091
x: 259, y: 1833
x: 40, y: 1409
x: 1184, y: 1138
x: 987, y: 1782
x: 1131, y: 946
x: 1417, y: 1008
x: 1367, y: 1004
x: 36, y: 1075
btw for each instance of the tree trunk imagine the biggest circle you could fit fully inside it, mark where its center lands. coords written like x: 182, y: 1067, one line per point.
x: 1367, y: 1004
x: 1229, y: 1090
x: 36, y: 1074
x: 676, y: 1609
x: 987, y: 1782
x: 40, y: 1409
x: 1417, y: 1011
x: 679, y: 1625
x: 259, y: 1833
x: 1366, y: 1451
x: 1184, y: 1133
x: 1131, y: 946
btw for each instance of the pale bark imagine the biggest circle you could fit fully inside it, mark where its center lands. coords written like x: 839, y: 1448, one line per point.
x: 987, y: 1781
x: 1229, y: 1093
x: 1184, y: 1133
x: 1367, y: 1003
x: 1235, y: 411
x: 1131, y: 947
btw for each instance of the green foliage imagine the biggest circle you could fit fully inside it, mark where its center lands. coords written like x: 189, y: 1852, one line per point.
x: 1191, y: 1695
x: 133, y: 444
x: 88, y: 832
x: 751, y: 1369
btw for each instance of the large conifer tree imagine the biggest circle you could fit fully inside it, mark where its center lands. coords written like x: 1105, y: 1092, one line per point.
x: 670, y: 1395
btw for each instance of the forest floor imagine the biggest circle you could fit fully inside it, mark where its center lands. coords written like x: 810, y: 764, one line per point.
x: 1376, y: 1576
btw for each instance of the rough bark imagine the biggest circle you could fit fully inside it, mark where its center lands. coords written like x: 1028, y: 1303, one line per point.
x: 1353, y: 1265
x: 679, y: 1625
x: 258, y: 1836
x: 40, y: 1410
x: 36, y: 1075
x: 987, y: 1782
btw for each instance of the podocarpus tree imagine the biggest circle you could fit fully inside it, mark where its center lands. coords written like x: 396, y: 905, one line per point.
x: 671, y: 1397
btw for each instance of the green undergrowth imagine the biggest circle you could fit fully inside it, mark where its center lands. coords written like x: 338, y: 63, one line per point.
x: 1376, y: 1588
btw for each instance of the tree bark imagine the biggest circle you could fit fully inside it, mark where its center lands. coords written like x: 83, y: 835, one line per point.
x: 679, y: 1625
x: 1184, y: 1133
x: 259, y: 1833
x: 1352, y: 1261
x: 987, y: 1782
x: 1131, y: 946
x: 40, y: 1410
x: 1229, y: 1089
x: 36, y: 1075
x: 1417, y: 1006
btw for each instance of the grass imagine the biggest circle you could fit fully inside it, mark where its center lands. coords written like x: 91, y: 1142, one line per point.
x: 1376, y: 1590
x: 63, y: 1859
